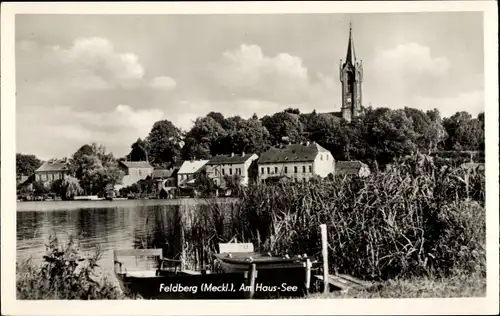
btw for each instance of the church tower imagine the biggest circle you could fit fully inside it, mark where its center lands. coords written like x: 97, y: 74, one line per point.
x: 351, y: 77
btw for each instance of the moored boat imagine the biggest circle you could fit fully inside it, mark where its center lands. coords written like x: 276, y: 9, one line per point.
x: 169, y: 281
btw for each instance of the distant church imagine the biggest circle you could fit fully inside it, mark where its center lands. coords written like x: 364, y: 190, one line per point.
x: 351, y: 77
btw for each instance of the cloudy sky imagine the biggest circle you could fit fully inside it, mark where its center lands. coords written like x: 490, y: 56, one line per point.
x: 107, y: 79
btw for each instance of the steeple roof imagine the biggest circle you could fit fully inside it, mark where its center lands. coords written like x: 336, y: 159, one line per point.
x: 351, y: 55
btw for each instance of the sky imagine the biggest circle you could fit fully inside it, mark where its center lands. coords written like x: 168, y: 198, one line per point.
x: 107, y: 78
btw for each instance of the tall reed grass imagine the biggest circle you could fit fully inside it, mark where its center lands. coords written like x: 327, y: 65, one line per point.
x: 417, y: 219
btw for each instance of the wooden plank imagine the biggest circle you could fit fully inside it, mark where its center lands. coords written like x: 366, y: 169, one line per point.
x: 334, y: 282
x: 138, y: 252
x: 362, y: 283
x: 235, y: 247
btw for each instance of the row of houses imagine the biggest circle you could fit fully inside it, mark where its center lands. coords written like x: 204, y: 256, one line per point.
x: 292, y: 162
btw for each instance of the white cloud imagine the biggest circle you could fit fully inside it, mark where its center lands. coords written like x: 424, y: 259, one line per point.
x: 411, y: 59
x: 163, y: 83
x: 470, y: 101
x: 88, y: 64
x: 63, y: 129
x: 247, y: 72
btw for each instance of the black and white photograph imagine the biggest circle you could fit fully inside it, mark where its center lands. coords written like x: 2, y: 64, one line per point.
x: 295, y: 158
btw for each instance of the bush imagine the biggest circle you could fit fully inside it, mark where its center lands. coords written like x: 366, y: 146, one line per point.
x: 63, y: 275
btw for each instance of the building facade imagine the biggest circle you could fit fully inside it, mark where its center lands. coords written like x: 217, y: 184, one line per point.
x: 298, y: 162
x: 134, y: 172
x: 351, y: 77
x: 355, y: 168
x: 52, y: 170
x: 239, y: 166
x: 188, y: 171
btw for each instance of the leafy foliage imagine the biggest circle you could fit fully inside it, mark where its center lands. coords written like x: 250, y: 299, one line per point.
x: 26, y: 164
x: 63, y: 275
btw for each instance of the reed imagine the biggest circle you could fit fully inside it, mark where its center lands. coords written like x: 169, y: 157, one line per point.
x: 417, y: 219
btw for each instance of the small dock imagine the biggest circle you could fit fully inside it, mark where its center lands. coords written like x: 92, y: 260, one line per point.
x: 344, y: 282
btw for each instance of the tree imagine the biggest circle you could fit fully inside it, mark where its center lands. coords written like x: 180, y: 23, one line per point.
x: 39, y: 188
x: 204, y: 139
x: 164, y: 142
x: 26, y: 164
x: 248, y: 136
x: 218, y: 117
x: 464, y: 132
x: 284, y: 124
x: 204, y: 184
x: 67, y: 188
x: 140, y: 150
x: 388, y: 134
x: 429, y: 131
x: 95, y: 169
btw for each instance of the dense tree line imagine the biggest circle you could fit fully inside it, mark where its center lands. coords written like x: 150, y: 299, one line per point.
x: 376, y: 138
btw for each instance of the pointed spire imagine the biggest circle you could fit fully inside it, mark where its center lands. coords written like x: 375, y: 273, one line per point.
x: 351, y: 56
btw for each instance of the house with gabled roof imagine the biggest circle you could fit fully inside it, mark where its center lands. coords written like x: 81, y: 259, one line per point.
x: 52, y: 170
x: 134, y: 172
x: 237, y: 166
x: 355, y: 168
x: 188, y: 171
x: 297, y: 162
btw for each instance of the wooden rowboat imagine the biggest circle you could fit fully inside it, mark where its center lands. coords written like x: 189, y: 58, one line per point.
x: 169, y: 281
x: 266, y: 269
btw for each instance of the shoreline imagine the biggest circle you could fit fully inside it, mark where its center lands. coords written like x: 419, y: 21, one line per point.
x: 47, y: 206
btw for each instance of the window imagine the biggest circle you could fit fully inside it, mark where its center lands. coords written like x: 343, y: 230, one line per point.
x: 303, y: 169
x: 223, y: 172
x: 268, y: 170
x: 321, y: 157
x: 286, y: 169
x: 262, y: 170
x: 327, y: 157
x: 295, y: 169
x: 275, y: 169
x: 310, y: 169
x: 231, y: 171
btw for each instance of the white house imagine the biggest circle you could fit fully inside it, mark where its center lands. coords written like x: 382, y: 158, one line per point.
x: 188, y: 171
x: 298, y: 162
x: 222, y: 166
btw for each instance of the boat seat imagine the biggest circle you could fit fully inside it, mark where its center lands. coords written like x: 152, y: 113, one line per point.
x: 142, y: 273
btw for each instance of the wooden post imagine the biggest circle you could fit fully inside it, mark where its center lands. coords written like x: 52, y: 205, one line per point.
x: 252, y: 276
x: 182, y: 237
x: 308, y: 275
x: 324, y: 252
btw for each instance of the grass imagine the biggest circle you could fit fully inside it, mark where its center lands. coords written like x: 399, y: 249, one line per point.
x: 458, y: 285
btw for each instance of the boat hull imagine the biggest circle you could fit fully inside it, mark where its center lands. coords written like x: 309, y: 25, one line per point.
x: 183, y: 286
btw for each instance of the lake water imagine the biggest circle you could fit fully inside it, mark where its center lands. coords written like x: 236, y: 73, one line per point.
x: 102, y: 224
